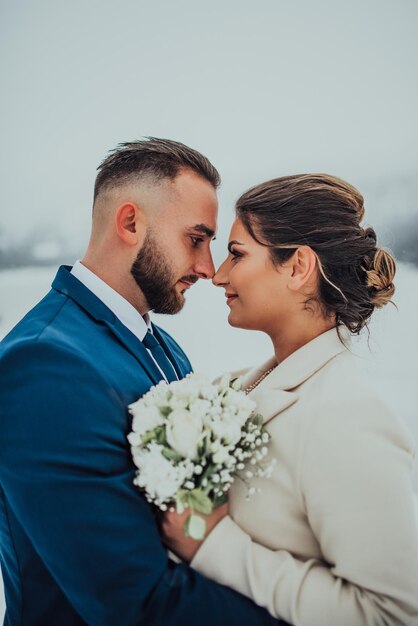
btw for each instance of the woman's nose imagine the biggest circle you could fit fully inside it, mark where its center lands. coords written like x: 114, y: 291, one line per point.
x: 220, y: 277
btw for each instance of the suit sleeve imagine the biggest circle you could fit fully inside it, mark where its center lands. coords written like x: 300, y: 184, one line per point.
x: 67, y: 474
x: 356, y: 485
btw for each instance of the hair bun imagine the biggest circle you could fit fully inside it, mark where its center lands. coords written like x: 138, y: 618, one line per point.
x: 369, y: 233
x: 380, y: 275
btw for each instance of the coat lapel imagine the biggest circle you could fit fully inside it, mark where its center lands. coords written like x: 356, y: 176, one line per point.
x: 71, y: 287
x: 278, y: 390
x: 271, y: 402
x: 135, y: 347
x: 269, y: 399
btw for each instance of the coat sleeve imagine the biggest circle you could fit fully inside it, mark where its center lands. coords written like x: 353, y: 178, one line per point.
x: 356, y: 484
x: 66, y: 473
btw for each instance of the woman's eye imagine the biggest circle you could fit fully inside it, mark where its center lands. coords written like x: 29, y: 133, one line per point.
x: 235, y: 255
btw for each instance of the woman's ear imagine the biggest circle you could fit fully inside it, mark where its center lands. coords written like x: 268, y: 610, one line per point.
x: 303, y: 264
x: 130, y: 224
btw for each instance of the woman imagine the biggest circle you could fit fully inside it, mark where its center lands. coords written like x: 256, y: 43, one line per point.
x: 331, y: 539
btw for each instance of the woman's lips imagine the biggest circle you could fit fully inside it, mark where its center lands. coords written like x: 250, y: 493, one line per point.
x: 230, y: 297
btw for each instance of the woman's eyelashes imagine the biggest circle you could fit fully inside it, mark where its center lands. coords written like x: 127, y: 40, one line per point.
x: 235, y: 254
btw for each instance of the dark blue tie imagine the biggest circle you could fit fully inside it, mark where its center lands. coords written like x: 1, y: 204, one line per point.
x: 160, y: 356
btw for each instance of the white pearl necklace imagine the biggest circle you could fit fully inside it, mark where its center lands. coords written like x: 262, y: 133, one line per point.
x: 259, y: 380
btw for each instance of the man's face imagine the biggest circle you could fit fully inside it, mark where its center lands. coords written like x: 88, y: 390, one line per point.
x: 176, y: 249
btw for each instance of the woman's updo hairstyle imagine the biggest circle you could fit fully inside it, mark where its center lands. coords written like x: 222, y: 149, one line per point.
x: 324, y: 213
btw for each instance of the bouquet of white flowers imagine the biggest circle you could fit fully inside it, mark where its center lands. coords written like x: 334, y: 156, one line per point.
x: 190, y: 439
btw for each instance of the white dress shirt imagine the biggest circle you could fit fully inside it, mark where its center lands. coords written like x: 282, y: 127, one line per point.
x: 121, y: 308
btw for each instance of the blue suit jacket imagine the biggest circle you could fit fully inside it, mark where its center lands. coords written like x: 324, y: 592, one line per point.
x: 79, y: 543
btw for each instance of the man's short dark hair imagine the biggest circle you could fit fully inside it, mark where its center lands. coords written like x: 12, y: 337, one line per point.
x: 158, y: 158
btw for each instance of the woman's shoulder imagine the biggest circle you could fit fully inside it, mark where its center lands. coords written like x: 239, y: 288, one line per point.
x: 344, y: 401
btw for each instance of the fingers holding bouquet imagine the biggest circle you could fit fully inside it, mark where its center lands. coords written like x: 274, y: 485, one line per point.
x: 173, y: 534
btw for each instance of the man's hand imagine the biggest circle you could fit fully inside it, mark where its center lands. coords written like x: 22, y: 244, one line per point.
x: 172, y: 528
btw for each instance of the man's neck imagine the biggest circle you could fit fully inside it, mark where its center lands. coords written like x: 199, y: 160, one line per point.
x: 123, y: 283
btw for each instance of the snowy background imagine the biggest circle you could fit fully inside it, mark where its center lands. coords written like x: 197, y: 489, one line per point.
x: 263, y: 88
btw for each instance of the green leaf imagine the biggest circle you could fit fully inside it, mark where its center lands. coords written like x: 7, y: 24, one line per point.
x: 160, y: 435
x: 207, y: 472
x: 199, y: 501
x: 195, y: 527
x: 257, y: 420
x: 220, y: 500
x: 172, y: 455
x: 148, y: 436
x: 181, y: 500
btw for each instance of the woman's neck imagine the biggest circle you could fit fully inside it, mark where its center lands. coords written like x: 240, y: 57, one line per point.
x: 298, y: 333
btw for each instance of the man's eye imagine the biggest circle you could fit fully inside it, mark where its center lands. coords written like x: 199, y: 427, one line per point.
x: 196, y: 241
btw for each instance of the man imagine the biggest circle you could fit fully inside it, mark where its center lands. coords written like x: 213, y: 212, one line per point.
x: 79, y: 543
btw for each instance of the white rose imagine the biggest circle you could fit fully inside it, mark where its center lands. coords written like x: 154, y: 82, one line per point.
x: 227, y: 429
x: 177, y: 402
x: 135, y: 439
x: 160, y: 478
x: 199, y: 407
x: 184, y: 433
x: 240, y: 404
x: 157, y: 395
x: 145, y: 418
x: 239, y: 400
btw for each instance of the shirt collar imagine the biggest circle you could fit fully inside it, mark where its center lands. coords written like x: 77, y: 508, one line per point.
x: 124, y: 311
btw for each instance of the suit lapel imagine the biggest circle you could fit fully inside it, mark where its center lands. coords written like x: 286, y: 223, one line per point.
x: 70, y: 286
x: 136, y: 348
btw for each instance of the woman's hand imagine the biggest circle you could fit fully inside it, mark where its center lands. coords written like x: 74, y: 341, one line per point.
x: 172, y: 528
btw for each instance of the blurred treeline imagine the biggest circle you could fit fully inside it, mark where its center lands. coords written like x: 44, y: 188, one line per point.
x: 34, y: 252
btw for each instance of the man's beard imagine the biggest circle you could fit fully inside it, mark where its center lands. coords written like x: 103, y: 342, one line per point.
x: 154, y: 276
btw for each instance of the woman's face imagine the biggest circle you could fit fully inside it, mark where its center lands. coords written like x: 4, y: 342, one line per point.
x: 256, y: 290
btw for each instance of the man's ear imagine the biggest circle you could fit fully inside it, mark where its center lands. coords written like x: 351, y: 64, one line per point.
x: 130, y: 224
x: 303, y: 264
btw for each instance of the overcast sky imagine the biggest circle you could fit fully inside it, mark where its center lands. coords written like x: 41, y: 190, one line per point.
x: 264, y: 88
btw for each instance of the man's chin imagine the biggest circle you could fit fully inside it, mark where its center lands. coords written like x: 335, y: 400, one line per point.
x: 172, y: 306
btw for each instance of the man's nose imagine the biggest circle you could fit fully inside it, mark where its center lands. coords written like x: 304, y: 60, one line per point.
x: 205, y: 268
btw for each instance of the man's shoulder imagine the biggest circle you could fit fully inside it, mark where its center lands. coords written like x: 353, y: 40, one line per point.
x: 56, y: 327
x: 35, y: 321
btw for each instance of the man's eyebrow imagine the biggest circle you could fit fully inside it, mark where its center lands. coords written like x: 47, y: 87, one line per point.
x: 234, y: 242
x: 204, y: 230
